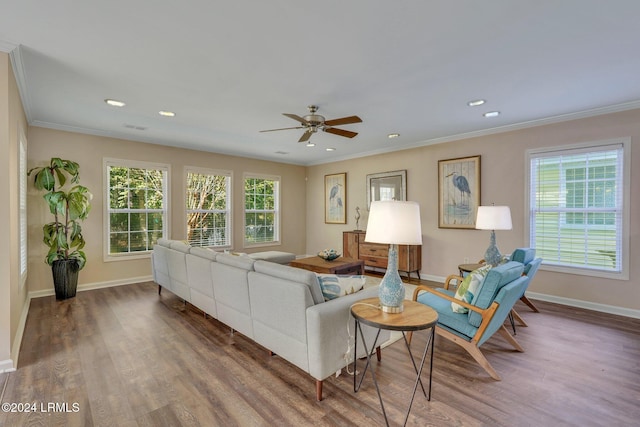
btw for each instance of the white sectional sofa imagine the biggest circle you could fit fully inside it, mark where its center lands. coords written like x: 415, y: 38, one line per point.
x: 279, y: 307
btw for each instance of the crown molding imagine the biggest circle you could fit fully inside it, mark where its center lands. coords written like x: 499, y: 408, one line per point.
x: 492, y: 131
x: 21, y: 79
x: 7, y: 46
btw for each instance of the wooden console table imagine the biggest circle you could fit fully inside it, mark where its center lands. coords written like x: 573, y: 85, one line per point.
x: 376, y: 254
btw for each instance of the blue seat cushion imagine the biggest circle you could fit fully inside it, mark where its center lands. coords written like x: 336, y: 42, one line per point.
x: 455, y: 322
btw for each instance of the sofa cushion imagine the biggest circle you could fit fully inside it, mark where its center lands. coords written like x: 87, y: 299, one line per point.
x: 338, y: 285
x: 469, y: 288
x: 235, y: 261
x: 293, y: 274
x: 203, y: 253
x: 274, y: 256
x: 164, y: 242
x: 180, y: 246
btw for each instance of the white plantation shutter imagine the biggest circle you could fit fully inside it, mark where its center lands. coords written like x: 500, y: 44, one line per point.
x: 576, y: 207
x: 23, y: 210
x: 208, y: 207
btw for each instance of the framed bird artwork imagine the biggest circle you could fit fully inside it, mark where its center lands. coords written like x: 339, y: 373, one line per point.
x: 458, y: 192
x: 335, y: 198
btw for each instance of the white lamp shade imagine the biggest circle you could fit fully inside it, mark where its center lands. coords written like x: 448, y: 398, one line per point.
x: 394, y: 222
x: 493, y: 218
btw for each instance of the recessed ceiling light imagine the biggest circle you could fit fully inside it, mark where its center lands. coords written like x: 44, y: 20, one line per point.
x: 492, y: 114
x: 476, y: 102
x: 114, y: 103
x: 330, y: 149
x: 310, y: 144
x: 167, y: 113
x: 393, y: 135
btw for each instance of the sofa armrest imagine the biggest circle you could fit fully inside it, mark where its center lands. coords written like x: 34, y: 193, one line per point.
x: 330, y: 332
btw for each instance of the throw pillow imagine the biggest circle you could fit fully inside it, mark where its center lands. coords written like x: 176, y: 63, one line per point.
x: 469, y: 287
x: 335, y: 285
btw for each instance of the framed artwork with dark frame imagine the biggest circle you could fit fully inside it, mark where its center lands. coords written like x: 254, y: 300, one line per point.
x: 458, y: 192
x: 386, y: 186
x: 335, y: 198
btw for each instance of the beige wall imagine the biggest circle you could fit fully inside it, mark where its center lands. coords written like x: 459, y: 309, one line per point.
x: 89, y: 152
x: 13, y: 296
x: 502, y: 182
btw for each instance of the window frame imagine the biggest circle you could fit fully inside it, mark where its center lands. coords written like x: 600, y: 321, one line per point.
x: 166, y: 211
x: 277, y: 211
x: 625, y: 144
x: 228, y: 211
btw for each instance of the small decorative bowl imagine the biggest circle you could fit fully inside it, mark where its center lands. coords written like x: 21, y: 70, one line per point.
x: 329, y: 254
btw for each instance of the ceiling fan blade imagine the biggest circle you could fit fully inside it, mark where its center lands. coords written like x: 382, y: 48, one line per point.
x: 341, y: 132
x: 272, y: 130
x: 297, y: 118
x: 343, y: 121
x: 305, y: 136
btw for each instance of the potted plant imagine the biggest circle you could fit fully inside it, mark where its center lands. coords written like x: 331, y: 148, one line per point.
x: 63, y: 236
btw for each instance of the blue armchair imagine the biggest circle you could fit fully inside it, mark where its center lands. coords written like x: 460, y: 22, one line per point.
x: 500, y: 290
x: 527, y: 256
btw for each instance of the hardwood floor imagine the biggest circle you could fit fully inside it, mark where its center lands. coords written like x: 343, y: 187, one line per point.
x: 129, y: 357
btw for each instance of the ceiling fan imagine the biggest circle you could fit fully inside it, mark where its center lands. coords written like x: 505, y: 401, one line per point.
x: 313, y: 122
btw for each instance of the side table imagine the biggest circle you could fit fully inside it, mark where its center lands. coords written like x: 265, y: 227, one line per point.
x: 468, y: 268
x: 415, y: 317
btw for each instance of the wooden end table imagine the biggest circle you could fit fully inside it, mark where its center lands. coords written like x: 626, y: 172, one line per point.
x: 340, y: 265
x: 415, y: 317
x: 468, y: 268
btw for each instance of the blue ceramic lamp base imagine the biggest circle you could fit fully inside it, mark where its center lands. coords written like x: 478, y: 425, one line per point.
x: 492, y: 255
x: 391, y: 291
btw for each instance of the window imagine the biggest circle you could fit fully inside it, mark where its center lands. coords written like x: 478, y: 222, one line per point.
x: 136, y: 205
x: 261, y: 210
x: 577, y: 215
x: 208, y: 203
x: 22, y: 203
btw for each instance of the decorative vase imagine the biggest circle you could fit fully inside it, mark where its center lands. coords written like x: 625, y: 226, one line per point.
x: 65, y: 278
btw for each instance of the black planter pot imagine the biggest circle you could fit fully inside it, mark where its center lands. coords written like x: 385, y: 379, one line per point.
x: 65, y: 278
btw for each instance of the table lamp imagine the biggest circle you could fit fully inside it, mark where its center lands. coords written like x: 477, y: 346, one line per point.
x: 394, y: 223
x: 493, y: 218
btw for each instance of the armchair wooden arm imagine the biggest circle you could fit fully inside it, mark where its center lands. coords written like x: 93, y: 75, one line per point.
x: 450, y: 278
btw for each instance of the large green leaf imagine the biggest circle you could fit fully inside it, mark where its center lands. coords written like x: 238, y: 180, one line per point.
x: 56, y: 201
x: 44, y: 179
x: 78, y: 202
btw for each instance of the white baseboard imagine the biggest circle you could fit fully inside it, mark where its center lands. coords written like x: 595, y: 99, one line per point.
x: 95, y: 285
x: 17, y: 341
x: 604, y: 308
x: 433, y: 278
x: 7, y: 366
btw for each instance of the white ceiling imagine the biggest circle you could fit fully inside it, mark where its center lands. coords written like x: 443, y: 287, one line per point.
x: 230, y: 69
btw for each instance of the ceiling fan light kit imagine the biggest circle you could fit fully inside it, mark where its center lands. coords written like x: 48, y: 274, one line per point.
x: 313, y: 122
